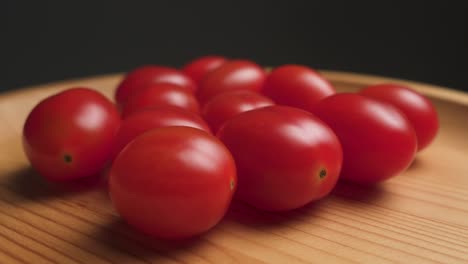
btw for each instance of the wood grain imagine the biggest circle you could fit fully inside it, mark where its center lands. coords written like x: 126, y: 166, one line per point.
x: 420, y: 216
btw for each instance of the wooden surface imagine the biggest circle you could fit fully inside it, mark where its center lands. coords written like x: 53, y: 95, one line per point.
x: 420, y: 216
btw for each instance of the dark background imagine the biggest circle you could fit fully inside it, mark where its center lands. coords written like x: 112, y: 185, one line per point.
x: 43, y: 41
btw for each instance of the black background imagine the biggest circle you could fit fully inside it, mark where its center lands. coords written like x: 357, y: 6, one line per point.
x: 43, y: 41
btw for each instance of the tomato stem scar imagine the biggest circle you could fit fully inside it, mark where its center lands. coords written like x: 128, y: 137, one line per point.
x: 322, y: 173
x: 67, y: 158
x: 231, y: 184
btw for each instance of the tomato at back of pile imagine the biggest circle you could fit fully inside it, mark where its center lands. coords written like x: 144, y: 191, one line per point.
x: 228, y: 104
x: 139, y: 78
x: 296, y: 85
x: 232, y: 75
x: 156, y: 117
x: 161, y: 94
x: 198, y: 68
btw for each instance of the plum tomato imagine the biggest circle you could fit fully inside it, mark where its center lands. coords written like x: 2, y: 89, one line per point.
x: 173, y: 182
x: 297, y: 86
x: 378, y: 140
x: 228, y: 104
x: 232, y: 75
x: 70, y: 135
x: 285, y: 157
x: 417, y: 108
x: 199, y: 67
x: 161, y: 94
x: 140, y: 77
x: 156, y: 117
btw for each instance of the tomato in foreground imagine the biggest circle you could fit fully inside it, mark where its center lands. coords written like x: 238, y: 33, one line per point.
x: 173, y: 182
x: 417, y: 108
x: 156, y: 117
x: 198, y: 68
x: 285, y: 157
x: 228, y: 104
x: 297, y: 86
x: 378, y: 141
x: 232, y: 75
x: 161, y: 94
x: 70, y: 135
x: 139, y: 78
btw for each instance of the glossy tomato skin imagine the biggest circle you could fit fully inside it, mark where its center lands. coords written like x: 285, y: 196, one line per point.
x: 285, y: 157
x: 378, y: 141
x: 140, y: 77
x: 199, y: 67
x: 70, y: 135
x: 296, y: 85
x: 228, y: 104
x: 417, y: 108
x: 161, y: 94
x: 173, y: 182
x: 232, y: 75
x: 156, y: 117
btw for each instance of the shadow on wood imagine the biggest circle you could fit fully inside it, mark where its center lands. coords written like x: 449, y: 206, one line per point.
x: 252, y: 217
x: 27, y: 183
x: 353, y: 192
x: 120, y: 236
x: 416, y: 164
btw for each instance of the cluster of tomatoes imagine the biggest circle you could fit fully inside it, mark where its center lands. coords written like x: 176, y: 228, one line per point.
x: 181, y: 143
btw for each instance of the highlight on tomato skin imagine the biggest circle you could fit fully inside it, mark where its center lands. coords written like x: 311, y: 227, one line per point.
x: 147, y: 119
x: 161, y: 94
x: 285, y: 157
x: 70, y: 135
x: 232, y: 75
x: 173, y: 182
x: 142, y: 76
x: 231, y: 103
x: 378, y: 140
x: 417, y: 108
x: 198, y: 68
x: 297, y: 86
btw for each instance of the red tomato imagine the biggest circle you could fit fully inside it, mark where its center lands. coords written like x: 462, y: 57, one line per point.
x: 140, y: 77
x: 156, y: 117
x: 226, y: 105
x: 378, y: 141
x: 285, y: 157
x: 161, y: 94
x: 198, y: 68
x: 70, y: 135
x: 173, y: 182
x: 297, y: 86
x: 232, y: 75
x: 417, y: 108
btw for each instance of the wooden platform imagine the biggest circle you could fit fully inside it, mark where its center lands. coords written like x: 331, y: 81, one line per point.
x: 420, y: 216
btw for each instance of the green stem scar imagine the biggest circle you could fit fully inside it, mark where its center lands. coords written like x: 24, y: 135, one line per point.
x: 322, y: 173
x: 67, y: 158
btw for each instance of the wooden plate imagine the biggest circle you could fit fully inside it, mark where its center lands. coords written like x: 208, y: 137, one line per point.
x: 419, y: 216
